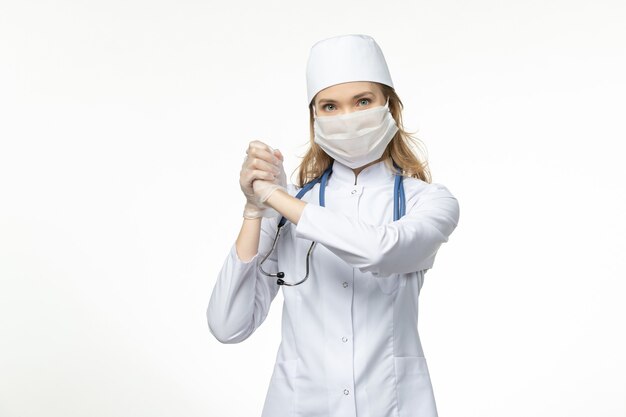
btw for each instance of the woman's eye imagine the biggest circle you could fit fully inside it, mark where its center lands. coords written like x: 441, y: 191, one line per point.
x: 325, y: 106
x: 366, y: 100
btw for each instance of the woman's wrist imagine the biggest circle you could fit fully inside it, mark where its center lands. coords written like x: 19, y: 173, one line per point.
x: 247, y: 244
x: 252, y: 212
x: 286, y: 205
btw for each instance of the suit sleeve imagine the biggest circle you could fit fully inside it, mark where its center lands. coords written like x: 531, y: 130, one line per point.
x: 242, y: 296
x: 406, y: 245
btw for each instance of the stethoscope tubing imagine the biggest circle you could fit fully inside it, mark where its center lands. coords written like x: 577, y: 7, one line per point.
x: 399, y: 210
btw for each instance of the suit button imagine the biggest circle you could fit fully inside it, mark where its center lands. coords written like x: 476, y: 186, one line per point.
x: 345, y: 284
x: 353, y: 192
x: 346, y: 392
x: 344, y: 339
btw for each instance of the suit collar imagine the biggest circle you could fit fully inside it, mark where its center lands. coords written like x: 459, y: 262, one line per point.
x: 374, y: 174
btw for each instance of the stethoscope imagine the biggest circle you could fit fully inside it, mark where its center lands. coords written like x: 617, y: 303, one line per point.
x: 398, y: 211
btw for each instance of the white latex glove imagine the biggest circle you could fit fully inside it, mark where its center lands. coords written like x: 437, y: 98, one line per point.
x: 261, y: 163
x: 263, y: 189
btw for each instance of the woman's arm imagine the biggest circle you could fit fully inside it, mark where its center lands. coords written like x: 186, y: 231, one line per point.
x: 242, y: 296
x: 407, y: 245
x: 288, y: 206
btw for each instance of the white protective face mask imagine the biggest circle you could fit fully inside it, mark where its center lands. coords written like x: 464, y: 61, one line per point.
x: 355, y: 138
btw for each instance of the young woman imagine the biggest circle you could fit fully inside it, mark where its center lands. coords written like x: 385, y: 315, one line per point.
x: 356, y: 235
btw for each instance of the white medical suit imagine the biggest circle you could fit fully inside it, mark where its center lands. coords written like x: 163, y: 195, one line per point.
x: 350, y: 344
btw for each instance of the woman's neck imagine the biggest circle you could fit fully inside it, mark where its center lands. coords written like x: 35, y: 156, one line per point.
x: 359, y: 169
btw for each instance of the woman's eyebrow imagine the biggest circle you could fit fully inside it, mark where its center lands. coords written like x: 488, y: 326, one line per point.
x: 328, y: 100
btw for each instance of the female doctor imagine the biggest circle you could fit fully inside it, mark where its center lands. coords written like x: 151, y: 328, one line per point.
x: 349, y: 245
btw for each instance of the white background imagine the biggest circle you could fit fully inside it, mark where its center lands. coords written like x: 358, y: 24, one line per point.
x: 123, y: 125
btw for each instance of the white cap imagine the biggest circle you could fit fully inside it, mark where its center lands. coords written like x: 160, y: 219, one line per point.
x: 343, y: 59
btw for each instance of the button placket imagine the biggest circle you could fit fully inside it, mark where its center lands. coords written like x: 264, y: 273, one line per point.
x: 344, y: 353
x: 356, y: 190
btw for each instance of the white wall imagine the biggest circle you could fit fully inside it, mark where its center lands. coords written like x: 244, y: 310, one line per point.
x: 123, y: 125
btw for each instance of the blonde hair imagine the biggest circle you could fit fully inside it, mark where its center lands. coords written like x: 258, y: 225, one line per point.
x: 403, y: 149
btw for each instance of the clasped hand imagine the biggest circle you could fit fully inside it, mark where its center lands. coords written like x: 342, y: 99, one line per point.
x: 261, y: 174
